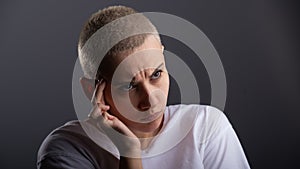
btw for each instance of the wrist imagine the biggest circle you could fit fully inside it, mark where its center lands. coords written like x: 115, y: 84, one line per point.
x: 133, y: 151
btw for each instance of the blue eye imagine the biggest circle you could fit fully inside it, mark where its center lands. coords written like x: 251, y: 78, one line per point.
x: 156, y: 74
x: 127, y: 87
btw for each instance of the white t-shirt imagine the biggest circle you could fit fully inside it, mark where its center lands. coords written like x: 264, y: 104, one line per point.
x: 192, y: 137
x: 211, y: 142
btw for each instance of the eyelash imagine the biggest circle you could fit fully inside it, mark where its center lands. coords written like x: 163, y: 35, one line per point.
x: 127, y: 87
x: 157, y: 71
x: 130, y: 86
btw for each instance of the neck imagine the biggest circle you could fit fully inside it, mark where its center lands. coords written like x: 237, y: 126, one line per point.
x: 146, y: 137
x: 144, y: 134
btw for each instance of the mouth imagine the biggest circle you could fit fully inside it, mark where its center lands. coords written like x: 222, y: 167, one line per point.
x: 151, y: 117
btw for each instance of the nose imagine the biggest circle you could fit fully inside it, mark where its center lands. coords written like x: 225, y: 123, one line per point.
x: 144, y: 103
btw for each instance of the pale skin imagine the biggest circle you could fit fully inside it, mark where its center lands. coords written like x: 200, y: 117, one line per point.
x: 142, y: 98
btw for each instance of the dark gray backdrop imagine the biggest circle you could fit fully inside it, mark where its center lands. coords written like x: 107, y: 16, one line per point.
x: 257, y: 42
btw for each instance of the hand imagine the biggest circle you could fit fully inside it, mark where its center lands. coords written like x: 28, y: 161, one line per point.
x: 123, y: 138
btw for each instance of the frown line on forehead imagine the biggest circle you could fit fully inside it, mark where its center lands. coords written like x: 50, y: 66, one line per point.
x: 123, y: 80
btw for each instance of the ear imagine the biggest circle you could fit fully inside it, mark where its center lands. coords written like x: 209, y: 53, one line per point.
x: 88, y: 86
x: 162, y: 48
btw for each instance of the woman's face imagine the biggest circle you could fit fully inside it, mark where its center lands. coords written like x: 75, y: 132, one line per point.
x: 138, y: 90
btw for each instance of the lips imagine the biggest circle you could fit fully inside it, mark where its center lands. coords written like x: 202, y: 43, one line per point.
x: 151, y: 117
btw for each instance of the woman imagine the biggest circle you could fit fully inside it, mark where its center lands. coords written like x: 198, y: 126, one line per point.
x: 130, y: 125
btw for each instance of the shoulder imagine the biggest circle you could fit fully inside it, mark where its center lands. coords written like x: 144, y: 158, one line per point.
x: 66, y: 145
x: 207, y: 121
x: 190, y: 108
x: 204, y: 113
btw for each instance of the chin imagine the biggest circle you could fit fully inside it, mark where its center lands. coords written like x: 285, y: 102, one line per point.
x: 148, y: 127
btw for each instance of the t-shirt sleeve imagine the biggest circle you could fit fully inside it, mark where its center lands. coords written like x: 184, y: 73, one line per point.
x: 222, y: 147
x: 64, y: 161
x: 62, y: 150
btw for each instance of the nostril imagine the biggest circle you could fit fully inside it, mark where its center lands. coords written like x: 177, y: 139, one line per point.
x: 144, y: 105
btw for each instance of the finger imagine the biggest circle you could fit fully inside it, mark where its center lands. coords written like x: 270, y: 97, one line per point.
x: 95, y: 113
x: 114, y: 123
x: 93, y: 100
x: 103, y: 107
x: 97, y: 110
x: 108, y: 119
x: 104, y: 123
x: 108, y: 116
x: 99, y: 92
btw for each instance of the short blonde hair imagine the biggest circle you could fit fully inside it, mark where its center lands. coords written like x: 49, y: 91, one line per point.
x: 99, y: 20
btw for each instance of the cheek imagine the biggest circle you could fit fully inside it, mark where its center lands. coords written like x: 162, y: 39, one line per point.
x: 164, y: 85
x: 109, y: 100
x: 120, y: 103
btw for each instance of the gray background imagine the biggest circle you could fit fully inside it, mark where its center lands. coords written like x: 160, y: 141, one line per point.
x: 258, y: 43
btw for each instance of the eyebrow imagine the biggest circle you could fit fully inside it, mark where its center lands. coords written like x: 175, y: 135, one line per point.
x: 133, y: 79
x: 158, y: 67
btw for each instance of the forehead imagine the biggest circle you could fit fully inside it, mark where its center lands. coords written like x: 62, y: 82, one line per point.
x: 128, y: 63
x: 150, y: 42
x: 137, y: 62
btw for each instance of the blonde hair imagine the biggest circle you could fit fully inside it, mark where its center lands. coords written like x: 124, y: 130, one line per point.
x: 89, y: 60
